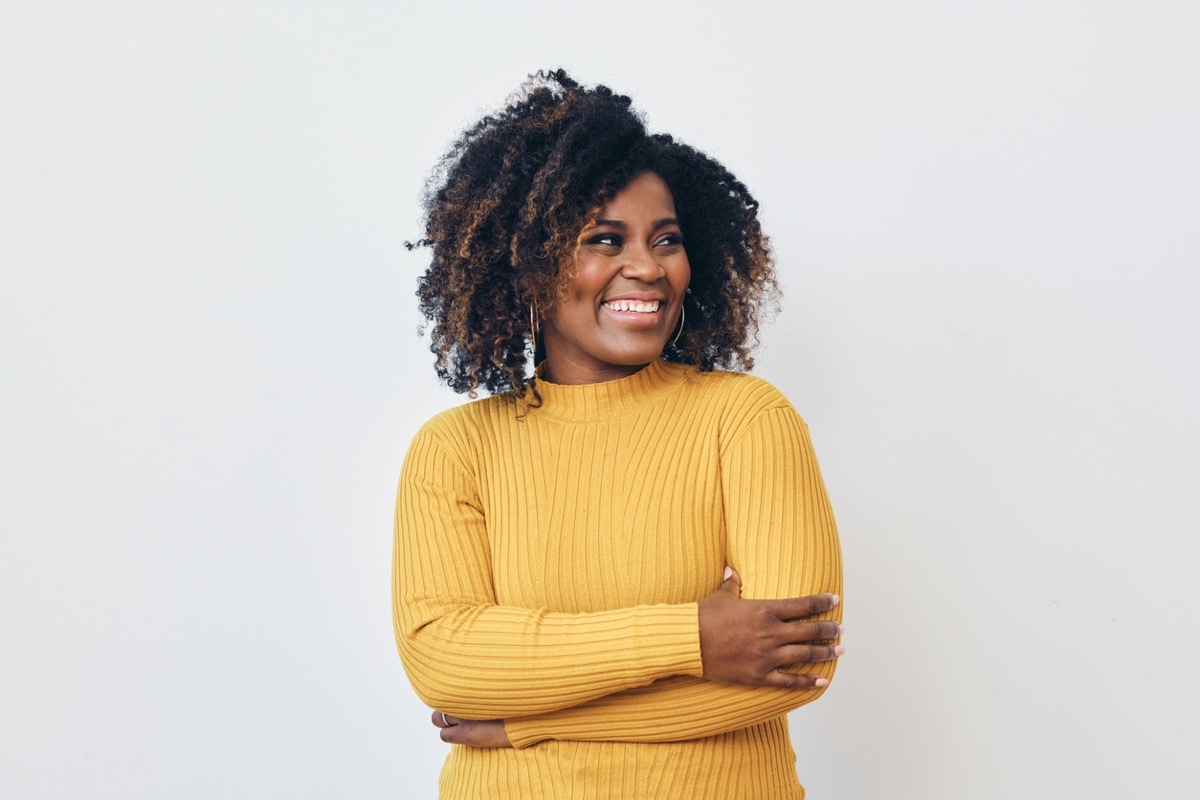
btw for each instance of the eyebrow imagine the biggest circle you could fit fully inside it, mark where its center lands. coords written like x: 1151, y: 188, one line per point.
x: 619, y: 225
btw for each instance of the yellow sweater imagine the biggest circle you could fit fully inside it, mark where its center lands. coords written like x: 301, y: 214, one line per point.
x: 547, y: 572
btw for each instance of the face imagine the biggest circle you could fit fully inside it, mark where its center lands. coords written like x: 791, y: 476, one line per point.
x: 621, y: 305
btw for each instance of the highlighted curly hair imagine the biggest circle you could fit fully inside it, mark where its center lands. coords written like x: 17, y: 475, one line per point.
x: 505, y: 209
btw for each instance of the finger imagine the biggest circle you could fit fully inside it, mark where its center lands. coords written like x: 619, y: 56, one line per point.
x: 790, y: 680
x: 809, y: 653
x: 444, y: 720
x: 797, y: 607
x: 800, y: 632
x: 732, y: 582
x: 476, y: 733
x: 459, y: 731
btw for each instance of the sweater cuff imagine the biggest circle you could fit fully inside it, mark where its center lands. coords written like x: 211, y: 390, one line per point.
x: 669, y: 645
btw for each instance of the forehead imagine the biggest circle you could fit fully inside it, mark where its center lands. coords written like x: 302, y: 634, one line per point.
x: 647, y: 195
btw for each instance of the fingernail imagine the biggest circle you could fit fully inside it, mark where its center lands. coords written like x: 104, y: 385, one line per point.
x: 836, y: 599
x: 728, y: 573
x: 841, y: 629
x: 822, y: 681
x: 837, y: 651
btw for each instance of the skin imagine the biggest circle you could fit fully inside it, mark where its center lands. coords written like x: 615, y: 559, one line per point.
x: 747, y: 642
x: 752, y: 642
x: 634, y: 251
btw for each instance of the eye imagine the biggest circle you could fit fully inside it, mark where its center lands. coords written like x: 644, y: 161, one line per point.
x: 670, y: 240
x: 606, y: 240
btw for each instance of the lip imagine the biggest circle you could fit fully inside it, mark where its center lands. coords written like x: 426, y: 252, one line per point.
x: 645, y: 297
x: 637, y: 319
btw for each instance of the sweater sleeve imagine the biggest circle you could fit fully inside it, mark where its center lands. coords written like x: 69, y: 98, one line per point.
x: 782, y: 540
x: 467, y: 655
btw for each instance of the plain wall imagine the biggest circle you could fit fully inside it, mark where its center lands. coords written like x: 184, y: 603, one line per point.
x: 985, y: 218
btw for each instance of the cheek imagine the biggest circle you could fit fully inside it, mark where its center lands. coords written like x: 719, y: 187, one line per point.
x: 683, y: 275
x: 587, y: 285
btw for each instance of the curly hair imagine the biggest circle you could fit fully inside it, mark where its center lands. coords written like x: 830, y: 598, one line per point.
x: 506, y: 206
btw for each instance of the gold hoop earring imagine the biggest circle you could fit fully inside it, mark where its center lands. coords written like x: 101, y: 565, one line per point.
x: 533, y: 326
x: 682, y: 316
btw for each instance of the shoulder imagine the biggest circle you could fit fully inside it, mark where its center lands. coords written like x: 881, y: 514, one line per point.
x: 739, y: 395
x: 464, y: 423
x: 740, y: 389
x: 458, y: 432
x: 740, y: 401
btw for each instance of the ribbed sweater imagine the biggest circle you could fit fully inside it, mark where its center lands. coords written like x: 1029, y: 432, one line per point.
x: 548, y: 564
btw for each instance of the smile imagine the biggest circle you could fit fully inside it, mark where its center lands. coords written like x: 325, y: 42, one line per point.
x: 637, y: 306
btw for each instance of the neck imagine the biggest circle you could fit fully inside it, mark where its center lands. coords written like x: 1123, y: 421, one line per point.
x: 565, y: 373
x: 606, y: 400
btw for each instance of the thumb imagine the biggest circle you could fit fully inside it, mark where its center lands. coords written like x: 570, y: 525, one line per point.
x: 732, y: 582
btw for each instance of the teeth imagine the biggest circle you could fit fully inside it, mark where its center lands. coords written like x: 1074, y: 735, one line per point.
x: 640, y: 306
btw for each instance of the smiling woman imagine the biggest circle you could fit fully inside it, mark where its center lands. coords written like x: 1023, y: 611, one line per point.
x: 624, y: 297
x: 614, y: 577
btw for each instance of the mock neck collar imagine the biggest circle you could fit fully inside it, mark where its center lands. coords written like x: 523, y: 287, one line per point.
x: 590, y: 402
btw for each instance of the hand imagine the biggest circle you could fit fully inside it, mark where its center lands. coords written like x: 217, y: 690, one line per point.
x: 472, y: 732
x: 750, y: 642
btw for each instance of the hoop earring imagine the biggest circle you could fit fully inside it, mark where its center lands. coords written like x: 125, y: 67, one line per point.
x: 533, y: 326
x: 682, y: 316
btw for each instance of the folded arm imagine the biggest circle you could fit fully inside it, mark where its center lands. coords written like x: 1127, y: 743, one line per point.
x: 782, y: 539
x: 474, y: 659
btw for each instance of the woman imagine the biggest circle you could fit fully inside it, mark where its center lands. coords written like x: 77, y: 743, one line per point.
x: 586, y: 560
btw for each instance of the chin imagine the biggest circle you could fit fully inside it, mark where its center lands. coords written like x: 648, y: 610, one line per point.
x: 634, y: 358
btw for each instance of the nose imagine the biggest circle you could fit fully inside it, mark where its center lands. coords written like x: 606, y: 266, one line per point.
x: 640, y: 264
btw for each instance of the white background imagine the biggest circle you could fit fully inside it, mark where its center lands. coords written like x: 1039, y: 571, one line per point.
x: 986, y: 222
